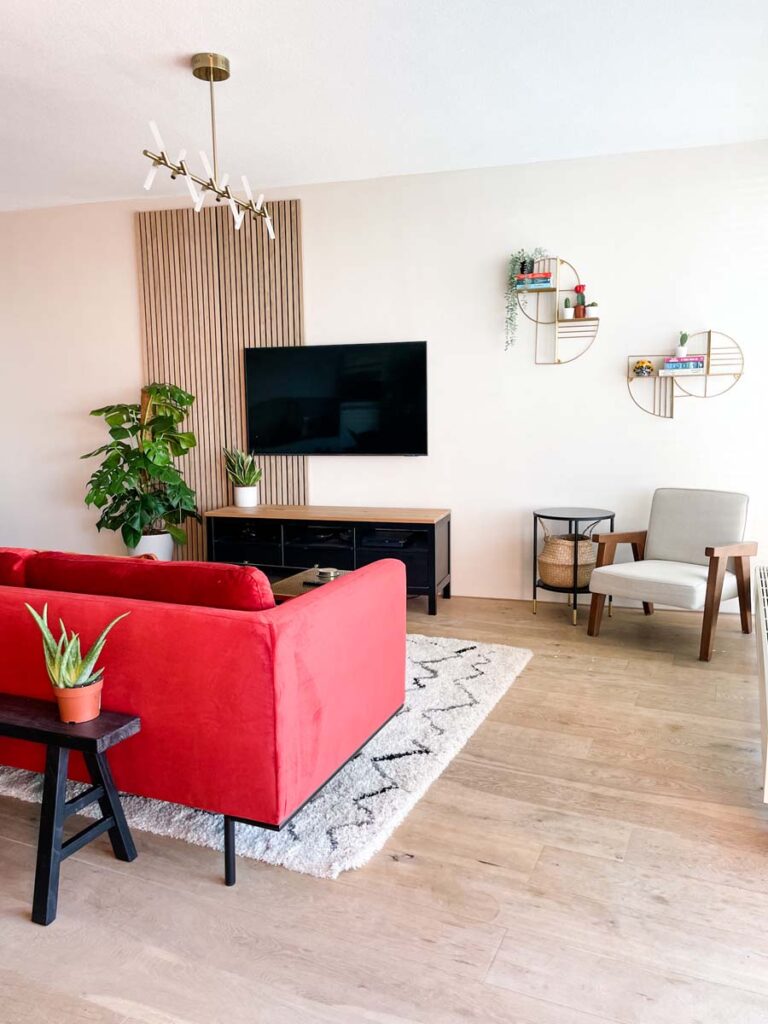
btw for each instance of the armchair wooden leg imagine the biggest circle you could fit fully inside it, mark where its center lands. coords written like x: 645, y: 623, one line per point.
x: 595, y: 614
x: 717, y: 567
x: 741, y: 568
x: 647, y: 607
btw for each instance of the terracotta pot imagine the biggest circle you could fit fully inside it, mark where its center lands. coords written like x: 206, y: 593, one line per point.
x: 80, y: 703
x: 580, y: 312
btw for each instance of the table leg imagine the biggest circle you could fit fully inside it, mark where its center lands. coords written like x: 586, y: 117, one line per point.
x: 610, y: 596
x: 110, y: 806
x: 52, y: 814
x: 576, y: 573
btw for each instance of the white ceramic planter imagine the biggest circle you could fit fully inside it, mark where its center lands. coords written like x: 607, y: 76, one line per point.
x: 681, y: 351
x: 158, y: 544
x: 247, y: 497
x: 567, y: 314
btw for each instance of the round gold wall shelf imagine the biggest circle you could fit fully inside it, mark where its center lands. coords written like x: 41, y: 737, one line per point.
x: 657, y: 394
x: 556, y: 340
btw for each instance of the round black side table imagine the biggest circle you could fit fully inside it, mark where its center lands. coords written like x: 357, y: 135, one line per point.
x: 572, y: 516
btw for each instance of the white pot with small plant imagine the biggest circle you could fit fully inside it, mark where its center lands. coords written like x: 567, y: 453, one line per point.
x: 592, y: 310
x: 76, y: 681
x: 681, y: 351
x: 567, y: 313
x: 244, y: 475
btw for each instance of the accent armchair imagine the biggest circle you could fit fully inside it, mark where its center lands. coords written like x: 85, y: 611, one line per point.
x: 682, y: 559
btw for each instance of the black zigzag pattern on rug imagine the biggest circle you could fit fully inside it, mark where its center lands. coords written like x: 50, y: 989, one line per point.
x: 366, y: 811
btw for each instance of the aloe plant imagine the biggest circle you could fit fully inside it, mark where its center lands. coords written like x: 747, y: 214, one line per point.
x: 241, y: 468
x: 67, y: 667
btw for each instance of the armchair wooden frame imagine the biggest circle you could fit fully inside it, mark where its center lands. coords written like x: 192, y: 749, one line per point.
x: 718, y: 563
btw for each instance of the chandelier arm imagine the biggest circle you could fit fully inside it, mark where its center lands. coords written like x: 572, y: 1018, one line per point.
x: 161, y: 160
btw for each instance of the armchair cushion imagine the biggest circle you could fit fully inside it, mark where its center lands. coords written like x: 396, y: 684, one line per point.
x: 686, y: 521
x: 680, y: 584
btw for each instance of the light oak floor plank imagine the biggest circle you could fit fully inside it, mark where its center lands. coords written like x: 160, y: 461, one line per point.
x: 595, y: 854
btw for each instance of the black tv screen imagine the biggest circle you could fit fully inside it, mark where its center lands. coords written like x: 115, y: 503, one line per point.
x: 338, y: 399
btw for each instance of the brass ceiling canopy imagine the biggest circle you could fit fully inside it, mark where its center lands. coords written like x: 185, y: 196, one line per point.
x: 211, y: 68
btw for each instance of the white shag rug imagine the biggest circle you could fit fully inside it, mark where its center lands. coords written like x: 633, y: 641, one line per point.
x: 451, y: 686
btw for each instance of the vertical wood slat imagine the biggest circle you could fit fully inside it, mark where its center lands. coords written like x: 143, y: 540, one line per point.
x: 209, y: 292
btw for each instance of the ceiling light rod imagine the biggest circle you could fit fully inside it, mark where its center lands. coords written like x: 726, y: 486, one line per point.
x: 211, y: 67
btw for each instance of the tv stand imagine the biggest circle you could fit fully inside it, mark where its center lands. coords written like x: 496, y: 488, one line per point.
x: 282, y: 540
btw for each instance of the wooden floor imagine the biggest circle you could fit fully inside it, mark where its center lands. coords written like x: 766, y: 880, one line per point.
x: 598, y: 852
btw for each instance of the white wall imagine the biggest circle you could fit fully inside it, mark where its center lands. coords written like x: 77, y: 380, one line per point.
x: 69, y: 342
x: 664, y: 241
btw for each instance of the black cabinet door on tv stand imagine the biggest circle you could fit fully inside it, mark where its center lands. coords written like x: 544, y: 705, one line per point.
x: 283, y: 540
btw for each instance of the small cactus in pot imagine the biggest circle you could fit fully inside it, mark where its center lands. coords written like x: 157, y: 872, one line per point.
x: 567, y: 310
x: 581, y: 302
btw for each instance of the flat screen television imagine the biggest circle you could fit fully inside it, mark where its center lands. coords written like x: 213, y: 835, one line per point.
x: 368, y: 399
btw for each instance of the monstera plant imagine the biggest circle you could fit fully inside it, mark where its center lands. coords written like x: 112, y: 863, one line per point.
x: 138, y: 487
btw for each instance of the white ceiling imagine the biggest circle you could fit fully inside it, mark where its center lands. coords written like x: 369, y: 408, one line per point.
x: 329, y: 90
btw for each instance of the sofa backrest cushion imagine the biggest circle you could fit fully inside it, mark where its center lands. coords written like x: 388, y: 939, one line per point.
x: 684, y: 522
x: 208, y: 584
x: 12, y: 566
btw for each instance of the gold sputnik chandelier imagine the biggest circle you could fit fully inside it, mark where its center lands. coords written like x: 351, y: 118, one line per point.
x: 211, y: 68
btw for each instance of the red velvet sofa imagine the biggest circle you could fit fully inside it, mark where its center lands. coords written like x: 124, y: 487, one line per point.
x: 247, y: 709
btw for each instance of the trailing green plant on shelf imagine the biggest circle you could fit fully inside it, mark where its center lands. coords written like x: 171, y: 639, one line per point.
x: 516, y: 299
x: 138, y: 487
x: 241, y: 468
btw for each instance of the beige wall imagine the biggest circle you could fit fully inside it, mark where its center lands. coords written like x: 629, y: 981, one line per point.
x: 665, y: 241
x: 69, y: 342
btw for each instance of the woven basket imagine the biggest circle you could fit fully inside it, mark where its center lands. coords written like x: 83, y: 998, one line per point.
x: 556, y: 559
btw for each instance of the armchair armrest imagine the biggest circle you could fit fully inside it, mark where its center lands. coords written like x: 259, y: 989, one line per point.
x: 742, y: 550
x: 608, y: 542
x: 629, y: 537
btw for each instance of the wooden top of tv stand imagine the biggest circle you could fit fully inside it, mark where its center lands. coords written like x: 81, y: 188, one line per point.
x: 337, y: 513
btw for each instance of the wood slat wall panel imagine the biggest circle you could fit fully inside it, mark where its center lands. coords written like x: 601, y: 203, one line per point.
x: 208, y: 292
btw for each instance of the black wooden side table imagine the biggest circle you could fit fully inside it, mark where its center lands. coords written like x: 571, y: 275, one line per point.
x: 572, y: 516
x: 38, y: 721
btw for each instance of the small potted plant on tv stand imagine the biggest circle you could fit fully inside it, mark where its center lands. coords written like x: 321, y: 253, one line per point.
x: 76, y: 681
x: 244, y: 475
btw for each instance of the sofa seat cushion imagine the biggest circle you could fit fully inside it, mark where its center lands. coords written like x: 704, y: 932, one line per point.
x: 12, y: 566
x: 208, y: 584
x: 680, y: 584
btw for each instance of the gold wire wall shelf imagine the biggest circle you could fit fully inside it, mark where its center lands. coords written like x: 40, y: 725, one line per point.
x: 557, y: 340
x: 657, y: 393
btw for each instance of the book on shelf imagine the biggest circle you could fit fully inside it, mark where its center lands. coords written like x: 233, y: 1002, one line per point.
x: 532, y: 285
x: 685, y: 365
x: 691, y: 371
x: 532, y: 277
x: 695, y: 358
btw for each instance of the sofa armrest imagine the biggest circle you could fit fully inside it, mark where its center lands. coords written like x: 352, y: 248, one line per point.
x: 608, y: 542
x: 339, y: 672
